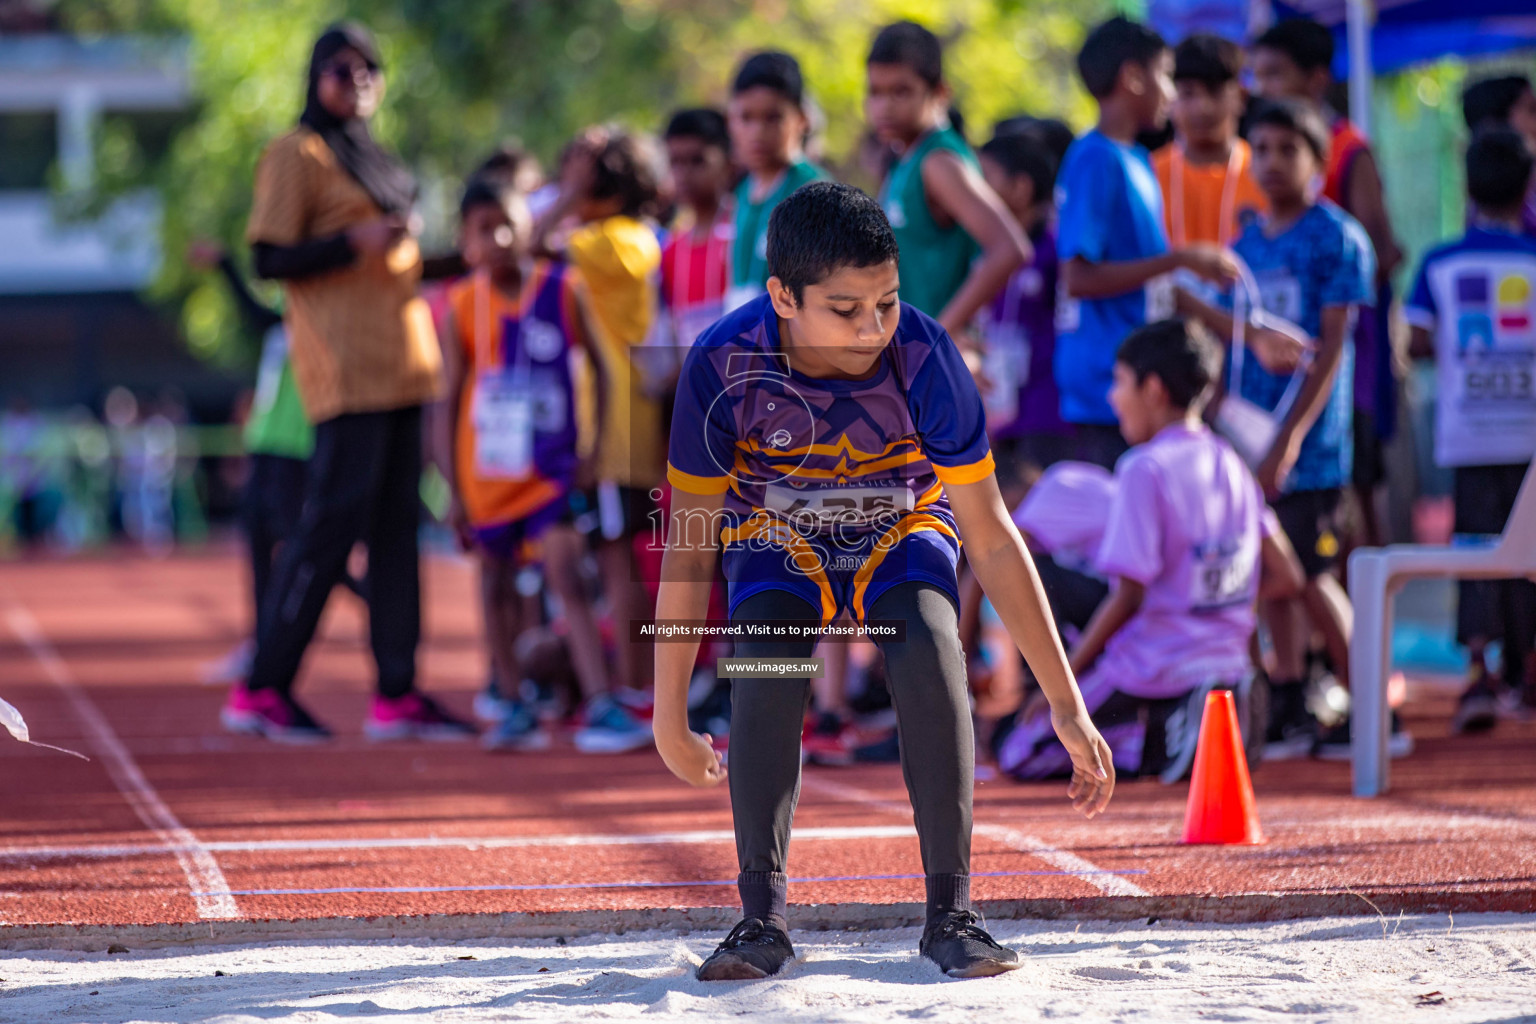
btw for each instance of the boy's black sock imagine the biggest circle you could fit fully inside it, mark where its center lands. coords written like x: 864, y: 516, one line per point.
x: 765, y: 895
x: 946, y: 894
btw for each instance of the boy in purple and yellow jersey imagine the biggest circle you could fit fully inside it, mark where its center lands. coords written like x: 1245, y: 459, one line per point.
x: 831, y: 440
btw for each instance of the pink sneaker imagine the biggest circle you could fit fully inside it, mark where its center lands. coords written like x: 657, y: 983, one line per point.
x: 270, y: 714
x: 413, y: 716
x: 638, y: 703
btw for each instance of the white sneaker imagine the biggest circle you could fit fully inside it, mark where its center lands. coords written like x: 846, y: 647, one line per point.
x: 611, y: 729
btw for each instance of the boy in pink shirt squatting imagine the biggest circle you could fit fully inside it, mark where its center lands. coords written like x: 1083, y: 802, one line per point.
x: 1186, y: 538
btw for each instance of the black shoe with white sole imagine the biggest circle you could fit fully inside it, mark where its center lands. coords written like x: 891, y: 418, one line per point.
x: 1477, y: 709
x: 1337, y: 744
x: 754, y: 949
x: 961, y: 947
x: 1292, y: 731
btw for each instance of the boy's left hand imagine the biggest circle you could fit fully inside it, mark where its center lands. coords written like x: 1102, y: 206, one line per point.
x: 1276, y: 467
x: 1093, y: 764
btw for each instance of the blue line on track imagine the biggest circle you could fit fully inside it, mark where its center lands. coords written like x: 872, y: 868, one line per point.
x: 408, y: 889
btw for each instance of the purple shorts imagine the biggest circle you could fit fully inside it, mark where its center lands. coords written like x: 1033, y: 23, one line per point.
x: 515, y: 539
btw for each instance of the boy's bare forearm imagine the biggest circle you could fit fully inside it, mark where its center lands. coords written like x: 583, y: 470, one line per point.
x: 1108, y: 619
x: 1318, y: 386
x: 988, y: 277
x: 684, y: 595
x: 1192, y: 306
x: 1085, y: 280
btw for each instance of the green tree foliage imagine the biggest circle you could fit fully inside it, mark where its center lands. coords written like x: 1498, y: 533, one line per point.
x: 465, y: 75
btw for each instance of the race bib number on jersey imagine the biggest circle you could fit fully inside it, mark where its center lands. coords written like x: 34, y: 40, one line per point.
x: 1006, y: 368
x: 1069, y: 311
x: 269, y: 372
x: 1280, y: 294
x: 1501, y: 377
x: 738, y: 295
x: 1159, y: 292
x: 829, y: 506
x: 503, y: 419
x: 1221, y: 575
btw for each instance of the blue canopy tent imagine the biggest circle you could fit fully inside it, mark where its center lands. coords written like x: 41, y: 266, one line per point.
x: 1404, y: 32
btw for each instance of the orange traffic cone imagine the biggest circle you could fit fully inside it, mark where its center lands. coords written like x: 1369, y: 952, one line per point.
x: 1221, y: 806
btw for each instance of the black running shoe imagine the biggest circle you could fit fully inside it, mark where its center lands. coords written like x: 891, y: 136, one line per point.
x: 754, y: 949
x: 1292, y: 731
x: 1477, y: 710
x: 961, y: 947
x: 1337, y: 743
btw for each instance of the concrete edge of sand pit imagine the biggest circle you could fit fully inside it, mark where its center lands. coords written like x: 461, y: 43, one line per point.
x: 1238, y: 909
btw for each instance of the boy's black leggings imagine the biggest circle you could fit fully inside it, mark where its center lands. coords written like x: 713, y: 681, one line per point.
x: 927, y: 679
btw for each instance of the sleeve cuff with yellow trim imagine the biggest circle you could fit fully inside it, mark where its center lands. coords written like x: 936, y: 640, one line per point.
x: 697, y: 484
x: 969, y: 474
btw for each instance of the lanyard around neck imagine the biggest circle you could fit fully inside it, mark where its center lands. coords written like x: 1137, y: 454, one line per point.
x: 1227, y: 211
x: 485, y: 325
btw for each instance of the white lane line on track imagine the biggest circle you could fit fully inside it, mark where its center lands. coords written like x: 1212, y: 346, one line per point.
x: 441, y: 842
x: 209, y: 889
x: 1069, y: 863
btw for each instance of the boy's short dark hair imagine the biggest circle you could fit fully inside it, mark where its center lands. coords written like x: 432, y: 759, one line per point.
x: 1308, y: 44
x: 1498, y: 169
x: 771, y: 69
x: 909, y: 44
x: 1025, y: 154
x: 1055, y: 134
x: 1296, y: 116
x: 703, y: 123
x: 496, y: 188
x: 1208, y: 59
x: 508, y: 160
x: 822, y: 227
x: 1180, y: 353
x: 1110, y: 47
x: 626, y: 170
x: 1490, y: 100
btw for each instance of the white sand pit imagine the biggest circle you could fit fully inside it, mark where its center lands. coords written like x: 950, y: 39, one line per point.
x: 1432, y: 969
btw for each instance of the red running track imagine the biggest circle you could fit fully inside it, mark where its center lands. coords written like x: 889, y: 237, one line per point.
x: 173, y: 821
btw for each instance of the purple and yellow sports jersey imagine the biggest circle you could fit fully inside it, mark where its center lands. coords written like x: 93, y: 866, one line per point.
x: 825, y: 454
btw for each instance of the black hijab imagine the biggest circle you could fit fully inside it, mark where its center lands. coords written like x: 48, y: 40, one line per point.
x: 388, y: 183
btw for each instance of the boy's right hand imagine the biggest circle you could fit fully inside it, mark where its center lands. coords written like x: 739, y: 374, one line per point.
x: 1279, y: 344
x: 690, y: 757
x: 1093, y: 763
x: 1210, y: 262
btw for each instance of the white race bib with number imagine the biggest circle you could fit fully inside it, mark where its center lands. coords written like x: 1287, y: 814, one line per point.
x: 1006, y: 367
x: 1280, y: 294
x: 738, y: 295
x: 1221, y: 575
x: 502, y: 415
x: 269, y: 372
x: 828, y: 506
x: 1069, y: 311
x: 1159, y: 298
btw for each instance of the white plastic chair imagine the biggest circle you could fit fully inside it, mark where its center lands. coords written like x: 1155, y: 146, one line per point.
x: 1375, y: 577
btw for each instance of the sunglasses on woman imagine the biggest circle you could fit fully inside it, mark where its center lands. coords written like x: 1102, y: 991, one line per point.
x: 347, y: 70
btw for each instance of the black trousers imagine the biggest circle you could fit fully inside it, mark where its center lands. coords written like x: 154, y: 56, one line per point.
x: 362, y: 484
x: 1503, y: 610
x: 928, y: 687
x: 274, y: 497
